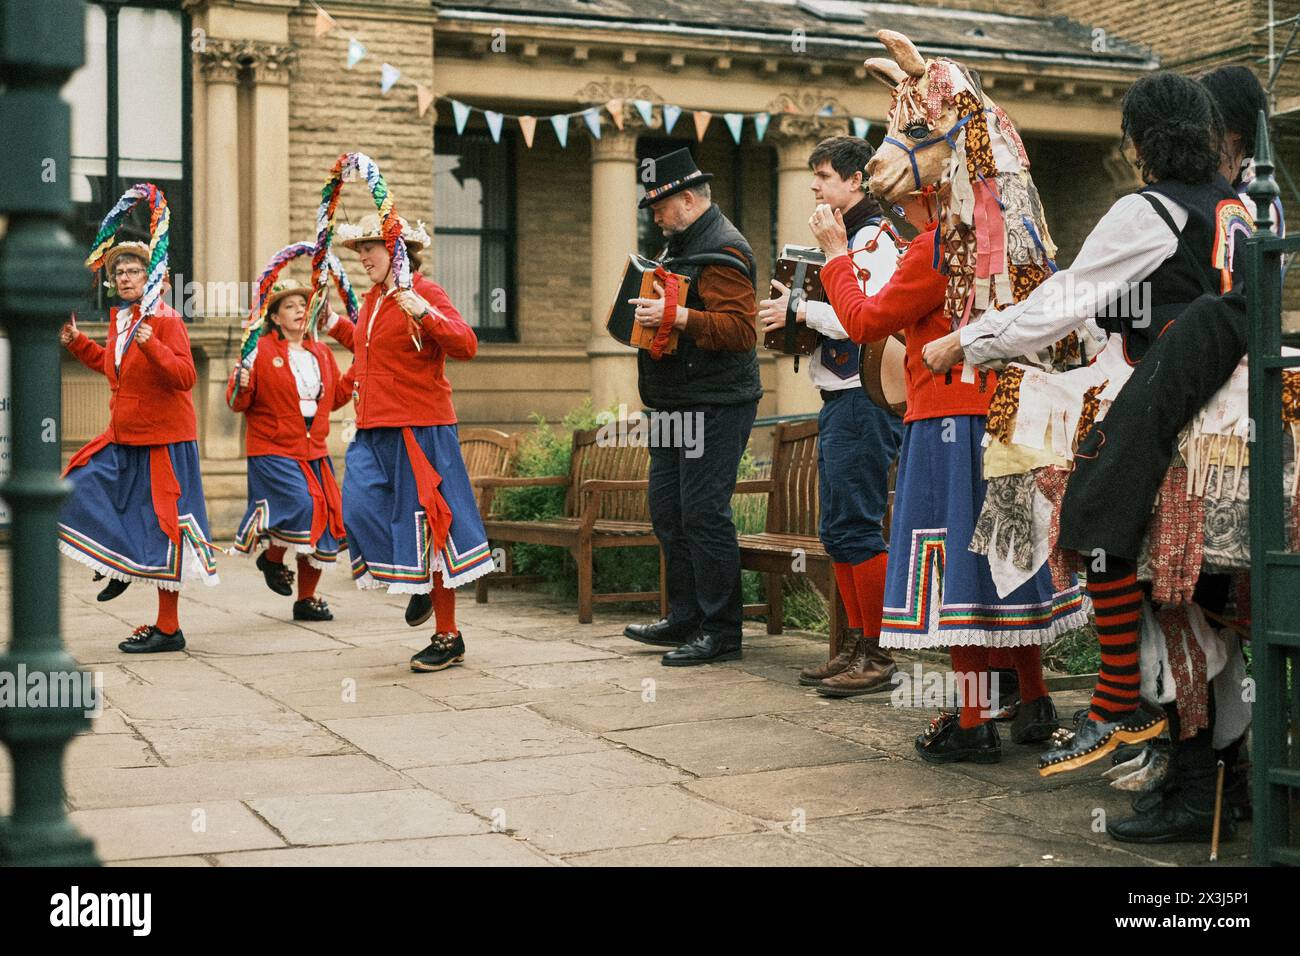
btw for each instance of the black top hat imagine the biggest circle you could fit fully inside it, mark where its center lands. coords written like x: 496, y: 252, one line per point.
x: 672, y: 173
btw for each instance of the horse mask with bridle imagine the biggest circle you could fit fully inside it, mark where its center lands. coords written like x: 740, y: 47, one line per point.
x: 949, y: 141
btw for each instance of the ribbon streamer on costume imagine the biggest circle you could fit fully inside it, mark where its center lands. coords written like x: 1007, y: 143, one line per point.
x: 660, y: 342
x: 159, y: 222
x: 349, y: 167
x: 265, y: 283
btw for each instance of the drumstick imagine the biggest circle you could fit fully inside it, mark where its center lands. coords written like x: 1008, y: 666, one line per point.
x: 1218, y: 811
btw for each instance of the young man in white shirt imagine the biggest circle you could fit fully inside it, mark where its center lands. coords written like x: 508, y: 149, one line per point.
x: 857, y: 440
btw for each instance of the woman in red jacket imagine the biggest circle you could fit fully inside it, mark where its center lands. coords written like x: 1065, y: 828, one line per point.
x: 937, y: 592
x: 293, y: 499
x: 412, y: 522
x: 137, y: 511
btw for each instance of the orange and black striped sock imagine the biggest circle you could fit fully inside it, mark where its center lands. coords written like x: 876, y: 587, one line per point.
x: 1117, y: 601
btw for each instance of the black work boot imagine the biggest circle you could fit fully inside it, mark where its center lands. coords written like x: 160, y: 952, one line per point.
x: 1185, y: 812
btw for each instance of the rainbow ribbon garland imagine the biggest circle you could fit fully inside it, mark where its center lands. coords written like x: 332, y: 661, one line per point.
x: 350, y: 167
x: 265, y: 283
x: 160, y: 217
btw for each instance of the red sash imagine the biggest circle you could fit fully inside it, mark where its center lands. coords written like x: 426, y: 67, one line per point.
x: 427, y: 480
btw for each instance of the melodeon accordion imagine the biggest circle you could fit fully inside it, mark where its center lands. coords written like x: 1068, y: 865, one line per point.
x: 798, y: 269
x: 638, y: 282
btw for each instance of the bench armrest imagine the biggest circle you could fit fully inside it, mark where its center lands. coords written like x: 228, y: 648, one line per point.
x: 593, y: 488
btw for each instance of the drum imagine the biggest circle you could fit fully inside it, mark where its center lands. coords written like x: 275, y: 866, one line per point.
x: 884, y: 373
x: 638, y: 282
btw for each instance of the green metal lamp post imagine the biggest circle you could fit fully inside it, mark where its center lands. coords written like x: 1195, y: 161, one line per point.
x: 41, y: 43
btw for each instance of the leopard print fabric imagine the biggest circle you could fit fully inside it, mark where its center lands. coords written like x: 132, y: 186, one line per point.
x: 1025, y: 279
x: 1291, y: 397
x: 1091, y: 406
x: 1001, y: 419
x: 979, y: 149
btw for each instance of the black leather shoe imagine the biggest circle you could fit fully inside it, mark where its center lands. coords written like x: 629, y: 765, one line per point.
x: 149, y: 640
x: 278, y: 577
x: 946, y: 741
x: 1035, y: 721
x: 1171, y: 820
x: 445, y: 650
x: 418, y: 609
x: 662, y: 633
x: 311, y: 609
x: 1008, y: 694
x: 1092, y: 740
x: 112, y: 589
x: 705, y: 649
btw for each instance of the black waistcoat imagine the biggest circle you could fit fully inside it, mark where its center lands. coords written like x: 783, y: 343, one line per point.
x: 692, y: 375
x: 1174, y: 284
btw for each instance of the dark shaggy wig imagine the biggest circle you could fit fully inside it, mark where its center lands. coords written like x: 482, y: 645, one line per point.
x: 1238, y: 95
x: 1175, y: 127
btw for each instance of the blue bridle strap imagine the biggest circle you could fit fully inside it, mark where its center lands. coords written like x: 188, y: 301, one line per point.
x: 911, y: 151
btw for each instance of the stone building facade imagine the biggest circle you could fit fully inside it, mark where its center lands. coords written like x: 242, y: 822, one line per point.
x: 270, y: 104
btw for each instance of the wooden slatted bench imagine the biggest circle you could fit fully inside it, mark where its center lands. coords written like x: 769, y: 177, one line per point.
x: 489, y: 452
x: 605, y: 506
x: 791, y: 525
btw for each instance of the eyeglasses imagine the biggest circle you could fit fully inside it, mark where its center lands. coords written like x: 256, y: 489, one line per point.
x: 128, y: 273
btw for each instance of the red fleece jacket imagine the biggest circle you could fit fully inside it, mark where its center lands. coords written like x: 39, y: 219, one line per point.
x: 149, y: 401
x: 911, y: 303
x: 396, y: 384
x: 270, y: 402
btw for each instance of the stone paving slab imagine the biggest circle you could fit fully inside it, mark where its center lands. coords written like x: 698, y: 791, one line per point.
x: 747, y: 849
x: 187, y: 740
x: 95, y: 787
x: 489, y: 849
x: 325, y: 818
x: 488, y: 784
x: 178, y: 829
x: 457, y: 737
x: 837, y: 790
x: 601, y: 819
x: 678, y: 705
x: 739, y: 745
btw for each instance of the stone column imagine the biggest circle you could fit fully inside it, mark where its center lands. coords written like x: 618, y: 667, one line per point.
x: 613, y: 236
x: 269, y: 66
x: 794, y: 137
x: 220, y: 65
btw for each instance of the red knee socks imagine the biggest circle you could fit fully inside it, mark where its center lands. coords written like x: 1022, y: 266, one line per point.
x: 1028, y: 662
x: 308, y: 577
x: 1117, y: 600
x: 168, y: 621
x: 848, y: 592
x: 275, y: 554
x: 869, y: 579
x: 444, y: 607
x: 969, y: 664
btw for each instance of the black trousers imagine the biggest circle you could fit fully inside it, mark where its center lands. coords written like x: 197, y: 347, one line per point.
x: 690, y: 508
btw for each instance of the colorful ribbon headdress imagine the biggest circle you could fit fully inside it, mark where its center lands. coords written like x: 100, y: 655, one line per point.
x: 349, y: 167
x: 159, y: 222
x: 265, y: 282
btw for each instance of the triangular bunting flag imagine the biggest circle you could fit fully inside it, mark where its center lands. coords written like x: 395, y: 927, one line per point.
x: 324, y: 22
x: 592, y: 119
x: 423, y: 98
x: 461, y: 113
x: 615, y: 108
x: 670, y: 117
x: 388, y: 75
x: 494, y: 121
x: 356, y: 52
x: 560, y: 123
x: 827, y: 110
x: 646, y: 109
x: 528, y: 126
x: 760, y: 124
x: 735, y: 123
x: 860, y: 127
x: 702, y: 118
